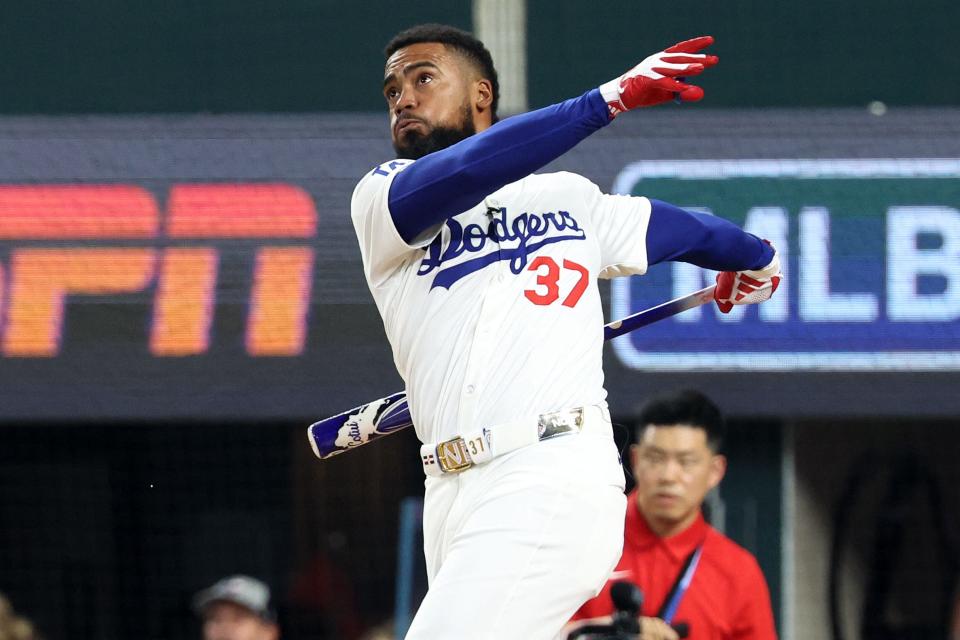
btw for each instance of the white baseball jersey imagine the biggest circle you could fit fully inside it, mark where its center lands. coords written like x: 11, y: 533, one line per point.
x: 495, y: 314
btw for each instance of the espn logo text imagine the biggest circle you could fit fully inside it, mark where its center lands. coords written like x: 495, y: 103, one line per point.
x: 89, y: 240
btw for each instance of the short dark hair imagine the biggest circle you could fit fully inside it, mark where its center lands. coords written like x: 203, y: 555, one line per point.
x: 687, y: 407
x: 464, y: 42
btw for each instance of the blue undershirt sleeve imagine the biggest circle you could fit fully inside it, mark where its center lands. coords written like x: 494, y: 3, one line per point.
x: 704, y: 240
x: 445, y: 183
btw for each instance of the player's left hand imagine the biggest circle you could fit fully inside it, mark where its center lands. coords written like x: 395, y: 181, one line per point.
x: 656, y: 629
x: 660, y: 77
x: 747, y: 287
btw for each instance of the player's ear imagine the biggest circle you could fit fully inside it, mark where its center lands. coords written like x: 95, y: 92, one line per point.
x: 482, y: 94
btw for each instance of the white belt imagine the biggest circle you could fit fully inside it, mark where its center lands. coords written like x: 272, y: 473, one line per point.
x: 483, y: 445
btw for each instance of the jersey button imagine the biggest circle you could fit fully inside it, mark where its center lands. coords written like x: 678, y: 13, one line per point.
x: 470, y: 388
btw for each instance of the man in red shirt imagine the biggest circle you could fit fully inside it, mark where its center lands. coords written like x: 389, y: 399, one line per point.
x: 689, y: 572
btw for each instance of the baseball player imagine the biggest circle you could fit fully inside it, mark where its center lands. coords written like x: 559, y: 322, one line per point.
x: 485, y: 277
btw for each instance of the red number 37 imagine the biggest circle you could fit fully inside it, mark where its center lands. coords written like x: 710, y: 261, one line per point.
x: 550, y: 278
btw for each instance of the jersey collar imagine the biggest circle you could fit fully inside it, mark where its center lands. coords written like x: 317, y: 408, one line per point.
x: 679, y: 546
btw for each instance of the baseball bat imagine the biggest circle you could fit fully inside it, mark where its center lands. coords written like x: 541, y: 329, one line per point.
x: 373, y: 420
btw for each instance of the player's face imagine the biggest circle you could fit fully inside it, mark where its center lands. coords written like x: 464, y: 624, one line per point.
x: 674, y: 469
x: 228, y: 621
x: 428, y: 94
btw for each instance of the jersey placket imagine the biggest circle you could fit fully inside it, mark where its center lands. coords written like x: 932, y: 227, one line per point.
x: 484, y: 338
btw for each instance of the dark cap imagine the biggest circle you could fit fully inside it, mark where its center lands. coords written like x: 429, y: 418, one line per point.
x: 244, y: 591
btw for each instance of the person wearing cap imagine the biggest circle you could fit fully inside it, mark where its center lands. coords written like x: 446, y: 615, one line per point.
x: 237, y: 608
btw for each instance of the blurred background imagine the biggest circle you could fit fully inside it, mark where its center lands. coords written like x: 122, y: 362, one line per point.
x: 181, y: 295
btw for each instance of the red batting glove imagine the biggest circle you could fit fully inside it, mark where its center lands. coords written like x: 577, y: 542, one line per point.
x: 655, y: 79
x: 747, y: 287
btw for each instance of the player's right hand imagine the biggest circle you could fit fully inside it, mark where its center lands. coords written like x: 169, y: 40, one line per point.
x: 660, y: 77
x: 748, y: 287
x: 656, y: 629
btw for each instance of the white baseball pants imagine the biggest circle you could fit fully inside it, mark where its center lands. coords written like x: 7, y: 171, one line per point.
x: 515, y: 546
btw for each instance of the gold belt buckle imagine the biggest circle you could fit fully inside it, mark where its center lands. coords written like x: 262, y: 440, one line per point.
x: 453, y: 457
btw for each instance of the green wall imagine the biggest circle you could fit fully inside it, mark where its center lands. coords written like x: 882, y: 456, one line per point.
x: 772, y: 53
x: 115, y: 56
x: 125, y: 56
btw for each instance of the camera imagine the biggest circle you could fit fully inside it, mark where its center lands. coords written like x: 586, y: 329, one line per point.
x: 627, y: 600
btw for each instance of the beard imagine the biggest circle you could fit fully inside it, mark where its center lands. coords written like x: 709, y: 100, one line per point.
x: 413, y: 145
